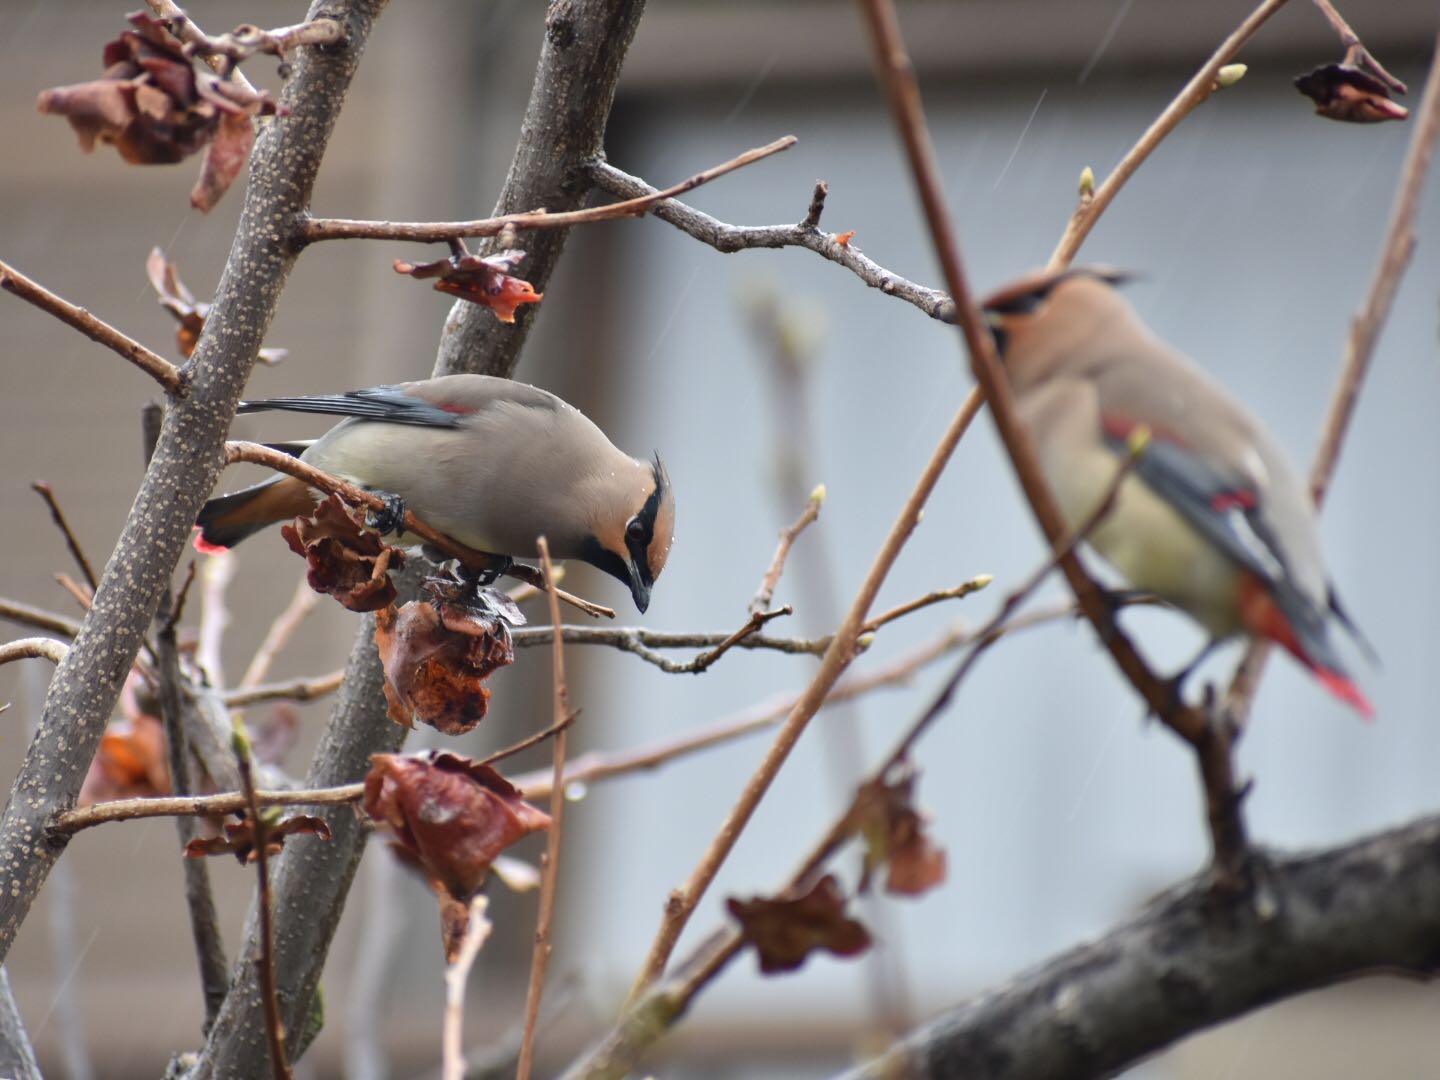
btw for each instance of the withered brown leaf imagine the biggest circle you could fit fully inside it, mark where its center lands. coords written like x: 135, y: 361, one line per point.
x: 239, y: 837
x: 482, y: 279
x: 436, y: 663
x: 895, y: 837
x: 1344, y: 92
x: 188, y: 312
x: 450, y: 816
x: 786, y: 930
x: 345, y: 560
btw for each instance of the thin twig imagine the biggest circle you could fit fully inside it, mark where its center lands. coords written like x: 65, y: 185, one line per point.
x: 38, y: 618
x: 281, y: 462
x: 682, y: 901
x: 265, y: 962
x: 788, y: 536
x: 1395, y: 252
x: 302, y: 601
x: 1356, y: 54
x: 959, y: 592
x: 1212, y: 745
x: 438, y: 231
x: 540, y: 958
x: 34, y: 648
x: 79, y: 593
x: 246, y: 40
x: 457, y: 974
x: 727, y: 238
x: 153, y: 364
x: 295, y: 690
x: 185, y: 29
x: 1194, y: 93
x: 215, y: 577
x: 46, y: 492
x: 68, y: 822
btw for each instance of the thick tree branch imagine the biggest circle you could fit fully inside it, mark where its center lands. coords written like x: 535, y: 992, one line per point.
x: 1192, y: 958
x: 730, y: 238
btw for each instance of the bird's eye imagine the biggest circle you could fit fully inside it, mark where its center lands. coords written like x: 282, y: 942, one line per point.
x: 635, y: 531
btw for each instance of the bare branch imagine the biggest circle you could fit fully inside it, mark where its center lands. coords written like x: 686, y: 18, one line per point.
x: 153, y: 364
x: 1194, y: 93
x: 38, y: 618
x: 438, y: 231
x: 788, y: 536
x: 247, y: 39
x: 457, y: 974
x: 281, y: 462
x: 35, y: 648
x: 730, y: 238
x: 959, y: 592
x: 1356, y: 54
x: 540, y: 957
x: 302, y: 602
x: 46, y: 492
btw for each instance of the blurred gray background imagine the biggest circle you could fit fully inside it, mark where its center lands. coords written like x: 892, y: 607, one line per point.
x: 1256, y: 227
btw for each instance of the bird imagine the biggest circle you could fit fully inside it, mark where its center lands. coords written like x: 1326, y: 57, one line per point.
x: 490, y: 462
x: 1212, y: 518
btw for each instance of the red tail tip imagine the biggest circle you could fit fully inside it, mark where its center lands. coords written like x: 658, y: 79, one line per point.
x: 204, y: 546
x: 1347, y: 692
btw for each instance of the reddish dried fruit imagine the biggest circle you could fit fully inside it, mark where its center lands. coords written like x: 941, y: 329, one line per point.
x: 895, y: 837
x: 239, y: 838
x: 1344, y: 92
x: 484, y: 280
x: 346, y: 560
x: 449, y: 815
x: 436, y: 663
x: 132, y: 762
x: 156, y: 108
x: 785, y: 931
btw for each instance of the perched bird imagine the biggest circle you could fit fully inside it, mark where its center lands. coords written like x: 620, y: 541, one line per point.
x: 489, y: 462
x: 1212, y: 519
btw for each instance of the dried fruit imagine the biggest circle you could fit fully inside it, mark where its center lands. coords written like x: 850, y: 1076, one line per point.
x: 481, y: 279
x: 346, y: 560
x: 450, y: 816
x: 895, y: 837
x: 239, y: 837
x: 1344, y: 92
x: 436, y: 663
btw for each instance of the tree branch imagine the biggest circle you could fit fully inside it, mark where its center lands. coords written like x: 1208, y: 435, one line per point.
x: 151, y: 363
x: 1194, y: 94
x: 730, y: 238
x: 439, y: 231
x: 1192, y: 958
x: 35, y: 648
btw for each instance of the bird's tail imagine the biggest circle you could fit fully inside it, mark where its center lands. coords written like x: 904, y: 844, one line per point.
x: 224, y: 521
x: 1289, y: 619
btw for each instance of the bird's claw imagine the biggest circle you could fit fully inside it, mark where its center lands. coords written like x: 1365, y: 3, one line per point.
x: 390, y: 518
x: 481, y: 579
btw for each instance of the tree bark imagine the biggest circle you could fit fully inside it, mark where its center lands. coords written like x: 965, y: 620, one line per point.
x: 1193, y: 958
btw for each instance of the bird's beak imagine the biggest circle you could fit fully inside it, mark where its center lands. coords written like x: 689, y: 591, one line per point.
x: 638, y: 588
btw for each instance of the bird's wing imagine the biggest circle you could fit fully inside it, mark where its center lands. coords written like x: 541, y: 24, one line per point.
x: 1224, y: 506
x: 392, y: 404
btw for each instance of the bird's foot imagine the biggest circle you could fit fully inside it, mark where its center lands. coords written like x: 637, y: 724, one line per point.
x: 481, y: 579
x: 390, y: 518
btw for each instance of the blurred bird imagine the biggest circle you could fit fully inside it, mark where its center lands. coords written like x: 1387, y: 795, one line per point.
x: 1212, y: 519
x: 490, y: 462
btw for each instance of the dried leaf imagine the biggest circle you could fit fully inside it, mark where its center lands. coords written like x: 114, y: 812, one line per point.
x: 450, y: 816
x: 131, y: 762
x: 189, y: 313
x: 844, y: 238
x: 239, y: 837
x: 481, y: 279
x: 895, y: 837
x: 346, y: 560
x: 155, y: 108
x: 436, y: 664
x: 786, y: 931
x: 1343, y: 92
